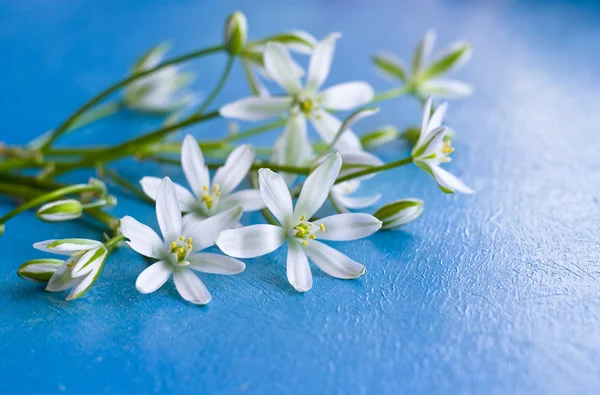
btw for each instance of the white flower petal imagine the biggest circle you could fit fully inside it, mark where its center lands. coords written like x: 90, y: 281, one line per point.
x: 299, y: 47
x: 449, y: 182
x: 194, y: 168
x: 317, y: 186
x: 61, y: 279
x: 256, y: 108
x: 351, y: 226
x: 66, y: 246
x: 142, y: 238
x: 247, y: 199
x: 251, y: 241
x: 83, y: 284
x: 320, y: 61
x: 327, y: 126
x: 347, y: 96
x: 89, y: 261
x: 423, y: 51
x: 449, y: 89
x: 333, y: 262
x: 235, y: 169
x: 357, y: 203
x: 298, y: 270
x: 424, y: 122
x: 276, y: 196
x: 190, y: 287
x: 167, y: 211
x: 153, y: 277
x: 281, y: 67
x: 204, y: 233
x: 215, y: 263
x: 438, y: 117
x: 150, y: 186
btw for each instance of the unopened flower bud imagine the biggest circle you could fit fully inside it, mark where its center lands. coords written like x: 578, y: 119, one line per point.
x: 39, y: 270
x: 236, y: 32
x: 61, y: 210
x: 1, y: 229
x: 379, y: 137
x: 398, y: 213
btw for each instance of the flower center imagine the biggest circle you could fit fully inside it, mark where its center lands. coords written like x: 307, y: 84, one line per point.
x: 306, y: 230
x: 210, y: 196
x: 181, y: 248
x: 446, y: 150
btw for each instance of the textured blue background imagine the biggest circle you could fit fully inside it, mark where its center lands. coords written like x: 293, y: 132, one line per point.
x: 493, y: 293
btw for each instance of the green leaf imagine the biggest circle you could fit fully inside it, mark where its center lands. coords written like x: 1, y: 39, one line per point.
x: 453, y: 57
x: 389, y: 65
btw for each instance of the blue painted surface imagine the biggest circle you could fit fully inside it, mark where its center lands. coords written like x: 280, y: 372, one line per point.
x: 493, y: 293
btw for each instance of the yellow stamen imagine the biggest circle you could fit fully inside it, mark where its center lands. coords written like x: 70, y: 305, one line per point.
x: 189, y: 246
x: 305, y: 243
x: 312, y: 237
x: 181, y: 238
x: 173, y: 245
x: 205, y: 187
x: 303, y: 217
x: 322, y: 227
x: 189, y: 240
x: 306, y: 106
x: 446, y: 148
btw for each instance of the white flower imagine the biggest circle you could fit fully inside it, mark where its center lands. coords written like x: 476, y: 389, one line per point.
x: 161, y: 91
x: 432, y: 149
x: 176, y: 251
x: 304, y: 102
x: 342, y: 202
x: 298, y: 231
x: 80, y: 271
x: 206, y: 199
x: 423, y: 76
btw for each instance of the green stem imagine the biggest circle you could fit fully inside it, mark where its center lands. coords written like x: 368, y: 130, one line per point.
x: 130, y: 146
x: 105, y: 93
x: 376, y: 169
x: 19, y: 191
x: 255, y: 131
x: 113, y: 243
x: 112, y: 223
x: 49, y: 197
x: 123, y: 183
x: 392, y: 93
x: 255, y: 166
x: 219, y: 86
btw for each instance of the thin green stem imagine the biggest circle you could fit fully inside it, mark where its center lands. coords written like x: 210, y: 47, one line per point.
x: 255, y: 131
x: 376, y: 169
x: 78, y: 188
x: 19, y: 191
x: 219, y: 86
x: 255, y: 166
x: 124, y: 82
x: 125, y: 184
x: 130, y: 146
x: 114, y: 242
x: 112, y: 223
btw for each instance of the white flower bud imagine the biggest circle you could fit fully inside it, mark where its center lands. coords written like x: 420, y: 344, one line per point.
x: 236, y: 32
x: 379, y: 137
x: 39, y: 270
x: 398, y: 213
x: 1, y: 229
x: 61, y: 210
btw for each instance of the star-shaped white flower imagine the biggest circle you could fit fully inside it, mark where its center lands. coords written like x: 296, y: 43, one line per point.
x: 161, y: 91
x: 206, y: 199
x: 432, y: 149
x: 306, y: 102
x: 177, y: 251
x: 423, y: 76
x: 80, y: 270
x: 296, y: 228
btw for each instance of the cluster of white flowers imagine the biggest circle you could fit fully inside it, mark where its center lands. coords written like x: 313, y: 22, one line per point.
x: 207, y: 212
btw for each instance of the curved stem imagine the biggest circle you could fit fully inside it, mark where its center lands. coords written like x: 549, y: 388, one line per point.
x: 219, y: 86
x: 51, y: 196
x: 113, y: 243
x: 255, y: 131
x: 113, y: 88
x: 375, y: 169
x: 255, y: 166
x: 125, y: 184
